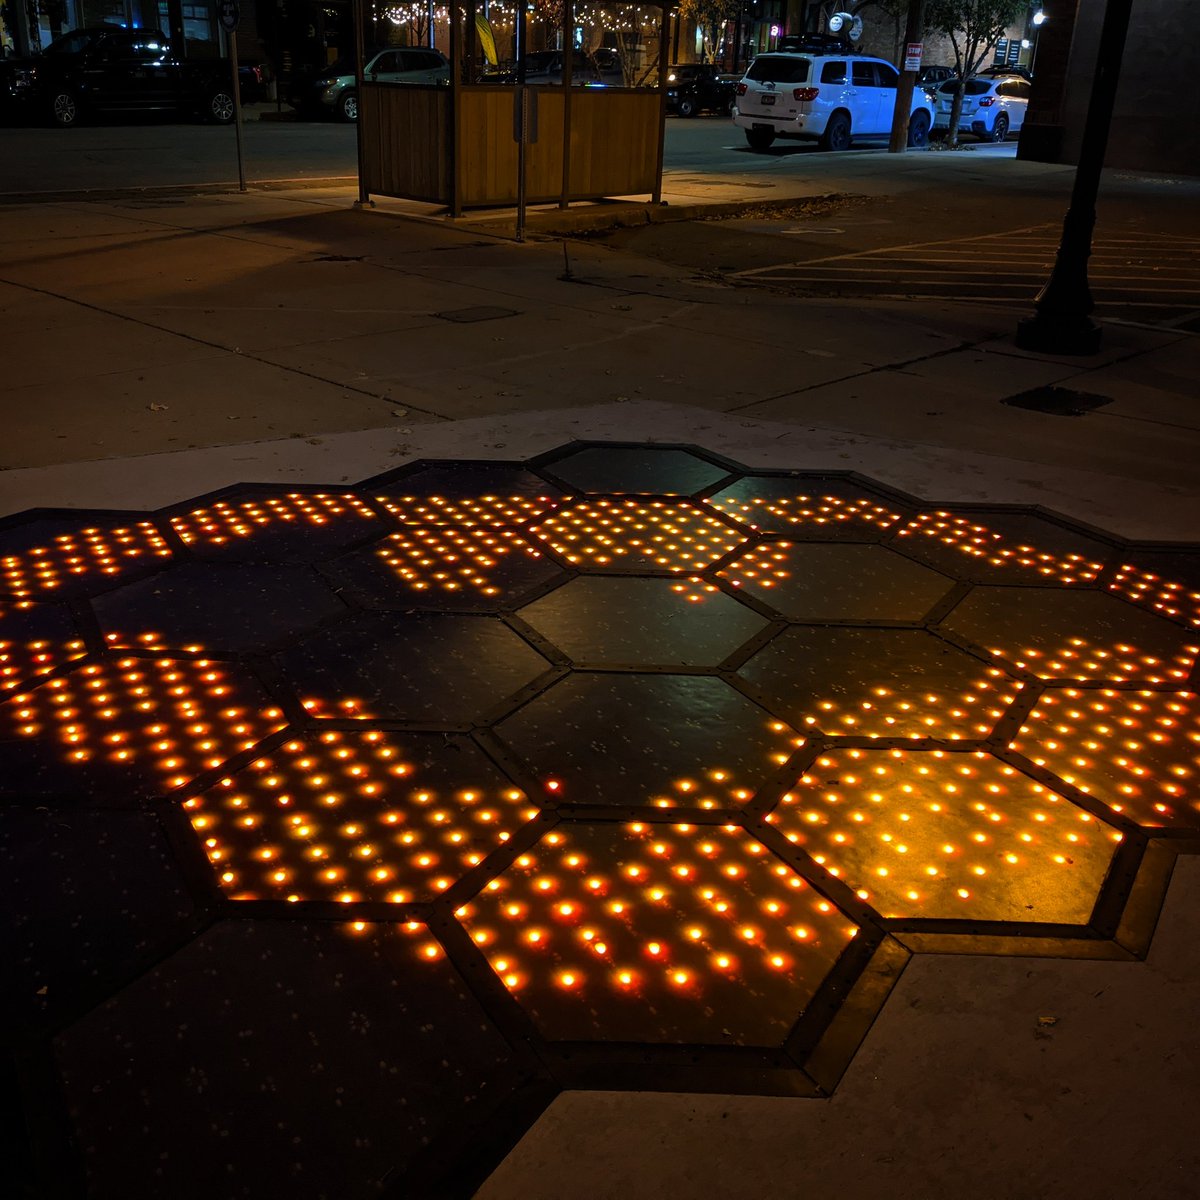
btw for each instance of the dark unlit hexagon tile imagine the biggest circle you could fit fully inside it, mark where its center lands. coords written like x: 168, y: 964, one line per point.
x: 216, y: 607
x: 877, y: 682
x: 808, y: 582
x: 85, y: 894
x: 424, y: 667
x: 641, y: 470
x: 648, y: 740
x: 271, y: 1057
x: 647, y: 622
x: 1080, y: 635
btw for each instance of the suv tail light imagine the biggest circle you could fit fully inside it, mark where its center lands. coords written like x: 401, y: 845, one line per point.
x: 741, y: 89
x: 987, y: 101
x: 805, y: 93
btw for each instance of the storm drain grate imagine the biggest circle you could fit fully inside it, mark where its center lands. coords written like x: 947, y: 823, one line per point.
x: 1057, y: 402
x: 484, y: 312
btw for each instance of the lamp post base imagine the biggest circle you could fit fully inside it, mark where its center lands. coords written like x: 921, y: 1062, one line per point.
x: 1059, y: 333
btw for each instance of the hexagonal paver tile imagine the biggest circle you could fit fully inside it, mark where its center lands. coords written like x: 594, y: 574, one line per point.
x: 267, y: 526
x: 467, y: 567
x: 1137, y: 752
x: 357, y: 816
x: 215, y: 607
x: 660, y: 740
x: 132, y: 726
x: 85, y: 895
x: 426, y: 667
x: 276, y: 1054
x: 654, y: 933
x: 948, y: 835
x: 878, y: 683
x: 636, y: 470
x: 466, y: 494
x: 1074, y: 635
x: 649, y: 622
x: 61, y: 558
x: 637, y: 534
x: 842, y: 584
x: 813, y: 507
x: 1168, y: 583
x: 1003, y: 547
x: 35, y: 639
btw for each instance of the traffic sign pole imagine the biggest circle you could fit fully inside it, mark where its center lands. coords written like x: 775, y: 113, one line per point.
x: 230, y: 15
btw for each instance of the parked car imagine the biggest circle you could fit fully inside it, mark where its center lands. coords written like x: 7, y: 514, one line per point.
x: 334, y: 92
x: 698, y: 87
x: 991, y: 110
x: 934, y: 74
x: 1006, y: 71
x: 110, y: 69
x: 599, y: 69
x: 832, y: 99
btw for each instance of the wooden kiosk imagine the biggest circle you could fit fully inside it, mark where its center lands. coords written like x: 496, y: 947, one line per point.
x: 458, y: 145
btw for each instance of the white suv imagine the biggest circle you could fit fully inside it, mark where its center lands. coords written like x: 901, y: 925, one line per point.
x: 828, y: 98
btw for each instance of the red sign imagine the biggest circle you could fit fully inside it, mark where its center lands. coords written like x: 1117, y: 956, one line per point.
x: 912, y: 56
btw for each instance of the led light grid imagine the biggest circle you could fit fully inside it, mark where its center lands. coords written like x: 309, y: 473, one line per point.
x: 948, y: 835
x: 356, y: 816
x: 1137, y: 752
x: 655, y: 933
x: 1171, y: 597
x: 820, y: 510
x: 468, y: 494
x: 78, y: 562
x: 615, y: 533
x: 167, y: 720
x: 34, y: 640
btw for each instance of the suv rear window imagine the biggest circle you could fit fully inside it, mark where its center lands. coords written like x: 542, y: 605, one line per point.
x: 974, y: 87
x: 775, y: 68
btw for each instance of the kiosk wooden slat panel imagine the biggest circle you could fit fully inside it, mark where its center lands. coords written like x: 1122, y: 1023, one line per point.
x: 406, y: 141
x: 614, y: 142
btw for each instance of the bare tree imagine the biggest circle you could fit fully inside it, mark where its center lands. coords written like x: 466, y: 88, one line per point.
x: 711, y: 17
x: 973, y: 27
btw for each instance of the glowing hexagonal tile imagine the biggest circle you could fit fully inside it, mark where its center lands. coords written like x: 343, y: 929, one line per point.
x: 662, y: 740
x: 1074, y: 635
x: 131, y: 724
x: 215, y: 607
x: 948, y: 835
x: 357, y: 816
x: 644, y: 470
x: 820, y: 582
x: 808, y: 507
x: 1165, y: 582
x: 425, y: 667
x: 57, y: 558
x: 466, y: 494
x: 446, y: 567
x: 650, y: 622
x: 878, y: 683
x: 1137, y: 752
x: 35, y: 639
x: 1003, y: 546
x: 620, y: 533
x: 277, y: 526
x: 654, y: 933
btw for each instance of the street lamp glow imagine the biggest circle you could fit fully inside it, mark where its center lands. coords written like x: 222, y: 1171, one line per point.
x: 1039, y: 17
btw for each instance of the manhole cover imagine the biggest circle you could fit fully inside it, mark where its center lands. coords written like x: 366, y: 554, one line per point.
x: 485, y: 312
x: 1057, y: 402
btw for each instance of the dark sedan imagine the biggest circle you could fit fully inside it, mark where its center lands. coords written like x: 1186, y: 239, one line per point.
x: 693, y: 88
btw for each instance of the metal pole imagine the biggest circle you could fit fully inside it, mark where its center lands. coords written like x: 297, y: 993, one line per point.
x: 568, y: 79
x: 356, y: 15
x: 1062, y: 322
x: 521, y: 103
x: 664, y: 34
x: 231, y: 46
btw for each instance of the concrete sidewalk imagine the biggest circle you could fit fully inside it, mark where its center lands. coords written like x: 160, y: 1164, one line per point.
x: 159, y: 347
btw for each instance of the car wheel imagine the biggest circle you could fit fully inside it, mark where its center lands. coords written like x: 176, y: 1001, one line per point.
x: 837, y: 133
x: 687, y: 107
x: 64, y: 109
x: 220, y: 107
x: 918, y: 130
x: 730, y: 106
x: 347, y: 106
x: 760, y: 139
x: 1000, y: 128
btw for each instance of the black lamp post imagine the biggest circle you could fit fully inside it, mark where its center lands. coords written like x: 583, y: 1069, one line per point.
x: 1062, y: 322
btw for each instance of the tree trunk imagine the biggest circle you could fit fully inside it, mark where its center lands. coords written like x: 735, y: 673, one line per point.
x: 955, y: 114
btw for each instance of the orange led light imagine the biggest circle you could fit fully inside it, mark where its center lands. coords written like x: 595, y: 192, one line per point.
x: 225, y: 523
x: 800, y: 510
x: 474, y: 510
x: 92, y: 553
x: 449, y: 559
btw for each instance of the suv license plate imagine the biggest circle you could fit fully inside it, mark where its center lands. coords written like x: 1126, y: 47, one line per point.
x: 767, y: 99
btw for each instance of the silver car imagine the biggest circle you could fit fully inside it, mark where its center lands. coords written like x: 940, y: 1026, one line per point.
x: 336, y: 92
